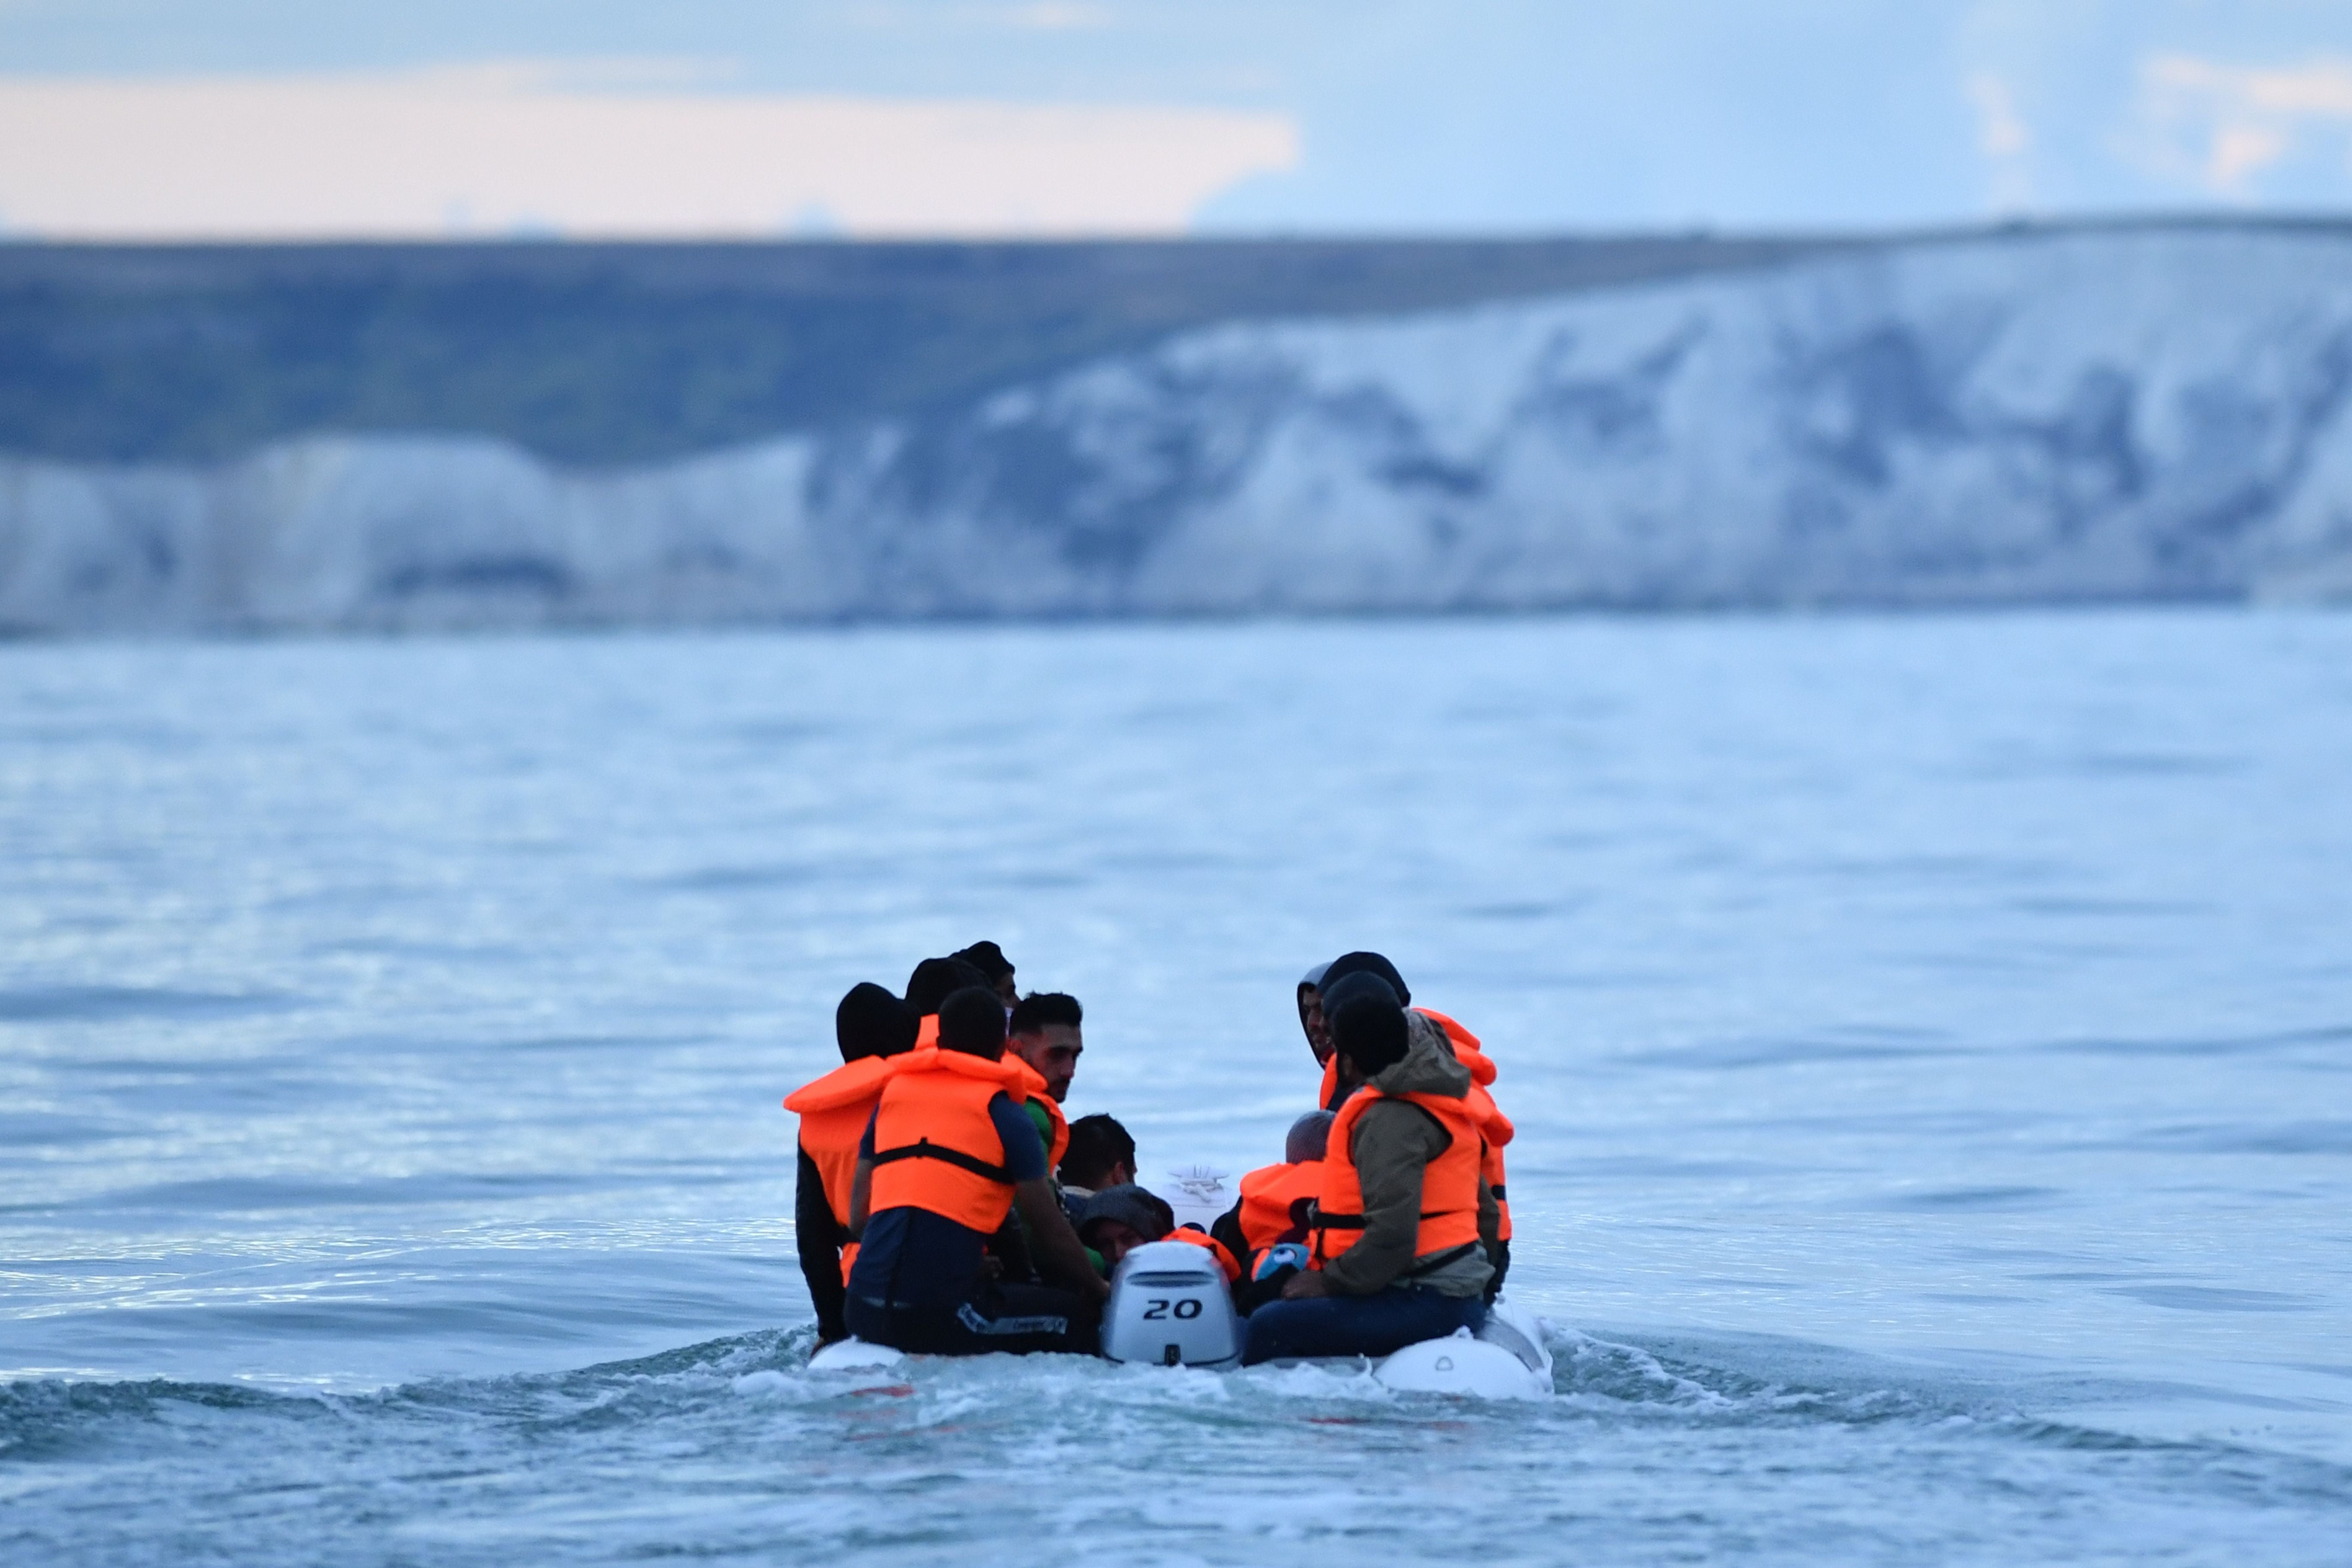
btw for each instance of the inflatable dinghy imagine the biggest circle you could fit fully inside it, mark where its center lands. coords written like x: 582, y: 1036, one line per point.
x: 1169, y: 1307
x: 853, y: 1354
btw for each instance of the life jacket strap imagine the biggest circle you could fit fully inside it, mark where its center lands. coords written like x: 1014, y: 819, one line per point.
x: 1453, y: 1256
x: 924, y: 1148
x: 1322, y: 1221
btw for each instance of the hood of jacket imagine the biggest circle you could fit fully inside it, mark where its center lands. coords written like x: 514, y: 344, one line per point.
x: 1429, y: 1066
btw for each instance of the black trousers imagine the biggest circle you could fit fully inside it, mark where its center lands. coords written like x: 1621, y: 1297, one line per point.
x: 1017, y: 1319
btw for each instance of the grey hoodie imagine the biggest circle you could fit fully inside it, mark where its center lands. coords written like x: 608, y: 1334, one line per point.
x: 1392, y: 1143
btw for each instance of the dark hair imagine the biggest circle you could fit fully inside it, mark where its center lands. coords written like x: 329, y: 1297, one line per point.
x: 1097, y: 1143
x: 1366, y: 964
x: 937, y: 979
x: 1370, y: 1032
x: 870, y: 1022
x: 972, y: 1021
x: 1040, y: 1010
x: 986, y: 957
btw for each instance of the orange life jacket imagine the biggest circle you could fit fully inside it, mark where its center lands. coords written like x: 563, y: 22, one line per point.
x: 1499, y: 1128
x: 1496, y: 1126
x: 1226, y: 1263
x: 834, y: 1112
x: 1270, y: 1199
x: 1455, y: 1032
x: 1449, y: 1184
x: 1032, y: 1088
x: 935, y: 1146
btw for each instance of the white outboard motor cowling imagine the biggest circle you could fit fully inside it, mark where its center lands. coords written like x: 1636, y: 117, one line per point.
x: 1169, y: 1306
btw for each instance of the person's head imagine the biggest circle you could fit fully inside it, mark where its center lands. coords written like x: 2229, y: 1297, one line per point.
x: 1311, y: 1135
x: 937, y: 979
x: 1100, y: 1155
x: 1310, y: 1014
x: 1364, y: 964
x: 972, y: 1021
x: 990, y: 960
x: 1340, y: 992
x: 1044, y: 1031
x: 1370, y: 1032
x: 870, y: 1022
x: 1117, y: 1220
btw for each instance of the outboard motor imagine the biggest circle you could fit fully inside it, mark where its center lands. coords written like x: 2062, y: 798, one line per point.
x: 1169, y: 1306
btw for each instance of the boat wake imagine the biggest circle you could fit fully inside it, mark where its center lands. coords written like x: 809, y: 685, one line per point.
x: 1647, y: 1450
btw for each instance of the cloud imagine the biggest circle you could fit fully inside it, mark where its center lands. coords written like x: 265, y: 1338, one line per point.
x: 2004, y: 139
x: 2001, y: 134
x: 2219, y: 127
x: 595, y: 148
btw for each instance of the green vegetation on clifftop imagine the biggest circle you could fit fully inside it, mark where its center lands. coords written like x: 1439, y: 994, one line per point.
x: 606, y: 353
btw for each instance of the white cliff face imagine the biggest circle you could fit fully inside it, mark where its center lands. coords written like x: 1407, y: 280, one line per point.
x: 2144, y: 414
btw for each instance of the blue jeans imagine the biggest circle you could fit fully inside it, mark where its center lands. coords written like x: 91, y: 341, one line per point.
x: 1357, y: 1325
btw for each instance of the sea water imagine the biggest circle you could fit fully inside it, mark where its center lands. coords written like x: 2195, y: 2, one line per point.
x: 1930, y: 1041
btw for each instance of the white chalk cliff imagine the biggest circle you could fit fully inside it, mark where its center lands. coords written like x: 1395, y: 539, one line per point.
x: 2132, y: 414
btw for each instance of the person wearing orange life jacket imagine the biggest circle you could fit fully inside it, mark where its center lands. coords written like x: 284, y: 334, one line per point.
x: 1444, y: 1035
x: 1317, y: 1031
x: 1273, y: 1213
x: 1045, y: 1031
x: 1042, y: 1032
x: 1328, y: 979
x: 1336, y: 976
x: 947, y: 1155
x: 1397, y: 1251
x: 930, y: 984
x: 871, y: 1026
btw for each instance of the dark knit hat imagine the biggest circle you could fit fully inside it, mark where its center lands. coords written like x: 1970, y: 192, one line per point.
x: 1144, y: 1212
x: 988, y: 958
x: 1337, y: 993
x: 1367, y: 963
x: 935, y: 979
x: 870, y: 1022
x: 1370, y: 1032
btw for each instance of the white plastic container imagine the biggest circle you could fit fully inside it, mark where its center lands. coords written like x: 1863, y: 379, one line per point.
x: 1196, y: 1194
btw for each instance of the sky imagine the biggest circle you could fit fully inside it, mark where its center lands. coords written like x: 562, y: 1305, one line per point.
x: 279, y: 118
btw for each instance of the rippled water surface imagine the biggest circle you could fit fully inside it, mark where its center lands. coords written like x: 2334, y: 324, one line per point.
x: 1931, y: 1040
